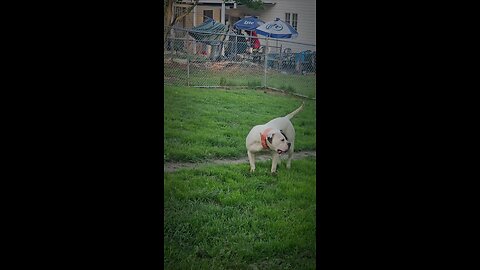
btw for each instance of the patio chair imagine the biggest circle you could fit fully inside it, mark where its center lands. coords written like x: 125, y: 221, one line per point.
x: 314, y: 61
x: 307, y: 61
x: 274, y: 60
x: 288, y: 59
x: 257, y: 54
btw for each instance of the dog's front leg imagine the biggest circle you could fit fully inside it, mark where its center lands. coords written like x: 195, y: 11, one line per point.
x: 251, y: 159
x: 289, y: 161
x: 290, y: 155
x: 275, y: 158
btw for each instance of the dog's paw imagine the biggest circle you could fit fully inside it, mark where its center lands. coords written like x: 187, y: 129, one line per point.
x: 252, y: 170
x: 274, y: 173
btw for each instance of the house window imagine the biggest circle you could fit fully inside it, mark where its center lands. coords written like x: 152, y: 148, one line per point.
x: 287, y: 18
x: 207, y: 13
x: 177, y: 12
x: 292, y: 19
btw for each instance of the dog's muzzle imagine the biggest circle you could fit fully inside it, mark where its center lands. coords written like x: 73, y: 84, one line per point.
x: 279, y: 151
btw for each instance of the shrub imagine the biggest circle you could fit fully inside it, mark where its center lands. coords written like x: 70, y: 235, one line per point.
x: 253, y: 84
x: 223, y: 81
x: 290, y: 89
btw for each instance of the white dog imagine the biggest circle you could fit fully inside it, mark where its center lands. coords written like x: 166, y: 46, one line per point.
x: 278, y: 136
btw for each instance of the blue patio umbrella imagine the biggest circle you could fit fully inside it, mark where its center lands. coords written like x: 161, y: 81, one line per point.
x: 248, y: 23
x: 277, y: 29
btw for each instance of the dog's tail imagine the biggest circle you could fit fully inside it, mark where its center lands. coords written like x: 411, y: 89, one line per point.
x: 292, y: 114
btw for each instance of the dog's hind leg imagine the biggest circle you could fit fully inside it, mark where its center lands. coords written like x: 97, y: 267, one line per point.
x: 251, y: 159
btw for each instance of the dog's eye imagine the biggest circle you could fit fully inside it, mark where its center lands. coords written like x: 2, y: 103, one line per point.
x: 283, y: 140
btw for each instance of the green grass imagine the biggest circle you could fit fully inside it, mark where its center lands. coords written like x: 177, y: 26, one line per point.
x: 223, y: 217
x: 213, y: 123
x: 200, y: 76
x: 296, y: 83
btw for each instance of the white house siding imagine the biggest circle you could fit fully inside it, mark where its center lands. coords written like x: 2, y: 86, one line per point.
x: 306, y: 26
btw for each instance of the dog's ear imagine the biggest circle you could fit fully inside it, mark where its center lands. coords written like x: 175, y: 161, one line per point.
x: 270, y: 138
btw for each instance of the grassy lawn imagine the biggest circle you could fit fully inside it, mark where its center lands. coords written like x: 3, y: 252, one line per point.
x: 296, y: 83
x: 223, y: 217
x: 211, y: 123
x: 176, y: 74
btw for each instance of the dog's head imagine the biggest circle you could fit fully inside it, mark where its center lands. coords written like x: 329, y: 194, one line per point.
x: 278, y: 141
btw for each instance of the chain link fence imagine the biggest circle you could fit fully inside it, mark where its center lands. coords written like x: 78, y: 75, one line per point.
x: 238, y: 61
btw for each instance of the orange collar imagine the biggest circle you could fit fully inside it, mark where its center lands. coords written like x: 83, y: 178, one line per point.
x: 263, y: 138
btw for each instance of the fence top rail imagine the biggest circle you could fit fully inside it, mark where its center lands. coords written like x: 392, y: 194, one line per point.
x: 236, y: 35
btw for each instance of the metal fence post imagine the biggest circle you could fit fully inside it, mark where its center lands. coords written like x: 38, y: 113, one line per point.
x: 245, y: 69
x: 280, y: 64
x: 265, y: 67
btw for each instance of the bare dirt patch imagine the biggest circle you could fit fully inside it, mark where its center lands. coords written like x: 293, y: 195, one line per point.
x: 173, y: 166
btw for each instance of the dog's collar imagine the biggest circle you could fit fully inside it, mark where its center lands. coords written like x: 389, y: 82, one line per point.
x: 263, y: 138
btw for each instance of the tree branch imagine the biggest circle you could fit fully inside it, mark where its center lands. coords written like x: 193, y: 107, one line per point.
x: 168, y: 16
x: 181, y: 16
